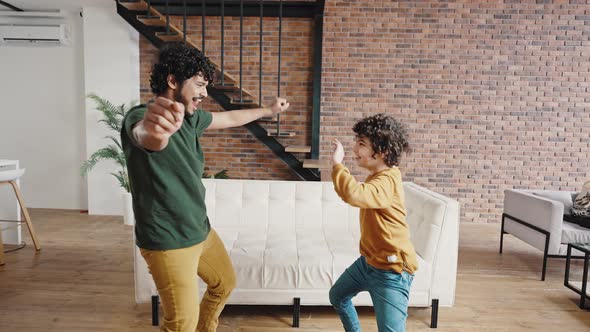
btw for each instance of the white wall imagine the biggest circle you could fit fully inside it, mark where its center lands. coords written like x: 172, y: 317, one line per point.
x: 48, y: 124
x: 111, y: 67
x: 42, y: 93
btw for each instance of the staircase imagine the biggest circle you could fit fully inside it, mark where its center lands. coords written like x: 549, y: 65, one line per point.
x: 150, y: 20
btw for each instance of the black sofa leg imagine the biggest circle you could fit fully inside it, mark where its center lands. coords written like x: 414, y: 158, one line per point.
x: 545, y: 255
x: 296, y: 311
x: 434, y: 314
x: 502, y: 234
x: 155, y: 309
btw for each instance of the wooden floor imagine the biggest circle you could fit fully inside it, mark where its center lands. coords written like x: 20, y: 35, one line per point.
x: 82, y: 281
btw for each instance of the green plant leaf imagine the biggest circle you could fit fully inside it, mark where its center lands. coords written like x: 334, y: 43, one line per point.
x: 111, y: 114
x: 112, y: 117
x: 123, y: 179
x: 116, y: 141
x: 221, y: 174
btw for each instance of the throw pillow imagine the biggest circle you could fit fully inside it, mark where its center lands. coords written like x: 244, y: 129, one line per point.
x: 581, y: 206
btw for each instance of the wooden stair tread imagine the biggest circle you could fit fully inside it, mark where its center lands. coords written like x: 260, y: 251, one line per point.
x: 170, y: 36
x: 225, y: 87
x: 273, y: 132
x: 231, y: 78
x: 298, y: 148
x: 244, y: 101
x: 314, y: 163
x: 268, y: 119
x: 234, y: 94
x: 174, y: 29
x: 154, y: 21
x: 136, y: 6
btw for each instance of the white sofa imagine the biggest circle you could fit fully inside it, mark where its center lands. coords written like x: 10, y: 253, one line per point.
x: 289, y: 241
x: 537, y: 218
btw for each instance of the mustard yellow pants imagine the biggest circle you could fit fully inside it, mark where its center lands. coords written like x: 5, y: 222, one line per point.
x: 175, y: 275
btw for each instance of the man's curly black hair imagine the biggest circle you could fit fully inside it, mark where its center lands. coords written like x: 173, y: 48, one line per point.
x: 387, y: 136
x: 183, y: 62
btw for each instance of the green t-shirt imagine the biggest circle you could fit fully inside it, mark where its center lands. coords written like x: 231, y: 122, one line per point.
x: 168, y: 194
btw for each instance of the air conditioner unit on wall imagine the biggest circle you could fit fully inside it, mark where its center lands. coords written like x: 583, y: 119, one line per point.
x: 34, y: 28
x: 59, y: 34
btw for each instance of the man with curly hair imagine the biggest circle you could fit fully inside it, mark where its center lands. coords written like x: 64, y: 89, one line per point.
x: 165, y: 164
x: 388, y: 260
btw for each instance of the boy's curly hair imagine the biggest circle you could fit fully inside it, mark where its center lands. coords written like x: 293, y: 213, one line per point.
x: 387, y: 136
x: 183, y: 62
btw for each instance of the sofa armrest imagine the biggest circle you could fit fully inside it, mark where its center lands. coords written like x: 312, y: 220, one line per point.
x: 436, y: 239
x: 540, y: 212
x: 444, y: 277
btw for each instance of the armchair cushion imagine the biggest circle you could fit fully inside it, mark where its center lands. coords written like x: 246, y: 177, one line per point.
x: 572, y: 233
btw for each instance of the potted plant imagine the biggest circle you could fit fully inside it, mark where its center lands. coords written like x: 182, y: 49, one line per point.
x: 112, y: 117
x: 219, y: 175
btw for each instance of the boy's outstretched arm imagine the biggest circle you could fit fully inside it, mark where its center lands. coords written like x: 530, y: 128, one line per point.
x: 374, y: 194
x: 238, y: 118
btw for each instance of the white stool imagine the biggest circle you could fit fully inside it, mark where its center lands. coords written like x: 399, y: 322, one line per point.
x: 10, y: 177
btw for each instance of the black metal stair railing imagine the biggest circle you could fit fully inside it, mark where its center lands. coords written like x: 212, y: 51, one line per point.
x: 149, y: 12
x: 155, y: 34
x: 260, y: 35
x: 279, y: 62
x: 204, y: 6
x: 241, y: 100
x: 251, y: 8
x: 184, y: 24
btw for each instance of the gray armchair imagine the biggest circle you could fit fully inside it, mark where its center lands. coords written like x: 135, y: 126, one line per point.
x: 536, y: 217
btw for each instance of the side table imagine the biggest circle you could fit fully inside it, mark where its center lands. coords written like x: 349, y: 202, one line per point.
x: 580, y: 288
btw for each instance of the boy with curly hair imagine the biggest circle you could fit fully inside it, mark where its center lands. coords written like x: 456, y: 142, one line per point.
x: 165, y: 163
x: 388, y: 260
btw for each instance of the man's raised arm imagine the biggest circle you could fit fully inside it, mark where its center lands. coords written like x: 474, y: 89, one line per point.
x: 162, y: 119
x: 238, y: 118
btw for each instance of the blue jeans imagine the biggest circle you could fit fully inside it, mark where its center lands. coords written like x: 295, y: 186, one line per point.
x: 389, y: 291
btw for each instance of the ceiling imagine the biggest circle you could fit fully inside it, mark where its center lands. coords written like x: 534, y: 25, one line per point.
x: 37, y: 5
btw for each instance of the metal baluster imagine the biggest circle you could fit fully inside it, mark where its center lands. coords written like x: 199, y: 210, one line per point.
x: 204, y: 5
x: 260, y: 56
x: 149, y: 9
x: 167, y: 19
x: 184, y: 21
x: 241, y: 46
x: 317, y: 78
x: 222, y: 37
x: 279, y: 66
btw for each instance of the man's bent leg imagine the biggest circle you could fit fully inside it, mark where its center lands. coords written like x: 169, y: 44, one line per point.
x: 216, y: 270
x: 174, y: 273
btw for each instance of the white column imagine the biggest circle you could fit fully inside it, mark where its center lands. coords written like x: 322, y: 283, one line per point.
x: 111, y: 66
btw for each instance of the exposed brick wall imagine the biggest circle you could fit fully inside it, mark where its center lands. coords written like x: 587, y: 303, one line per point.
x: 495, y: 94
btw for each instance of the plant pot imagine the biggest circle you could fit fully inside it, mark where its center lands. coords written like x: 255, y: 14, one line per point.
x: 128, y: 217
